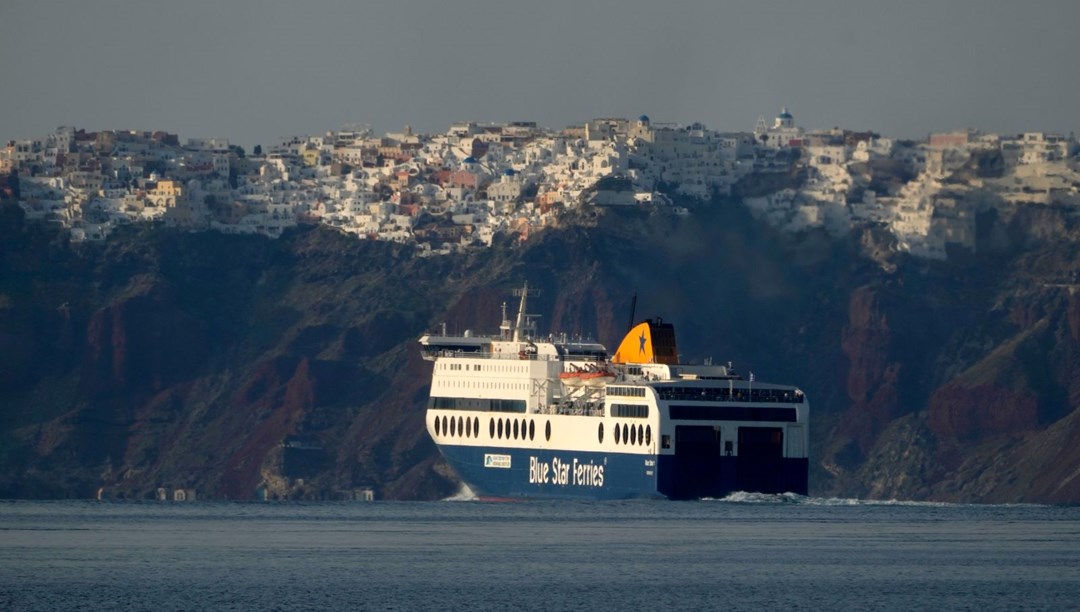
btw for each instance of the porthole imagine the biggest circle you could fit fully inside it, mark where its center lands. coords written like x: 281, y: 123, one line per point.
x: 476, y: 426
x: 461, y: 425
x: 500, y: 428
x: 641, y: 434
x: 648, y: 435
x: 547, y: 431
x: 618, y: 434
x: 515, y: 430
x: 491, y: 428
x: 445, y: 427
x: 633, y: 435
x: 453, y: 427
x: 438, y: 426
x: 532, y: 429
x: 524, y: 428
x: 625, y: 434
x: 468, y: 428
x: 600, y: 433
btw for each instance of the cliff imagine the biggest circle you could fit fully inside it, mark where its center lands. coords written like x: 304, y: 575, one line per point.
x: 163, y: 358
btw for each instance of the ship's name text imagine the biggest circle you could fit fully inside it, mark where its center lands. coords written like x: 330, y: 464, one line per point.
x: 560, y: 472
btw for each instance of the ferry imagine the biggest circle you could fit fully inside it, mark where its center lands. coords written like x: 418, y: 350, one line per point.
x: 522, y: 416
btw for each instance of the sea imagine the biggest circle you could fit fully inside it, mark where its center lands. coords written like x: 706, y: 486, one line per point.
x: 743, y: 552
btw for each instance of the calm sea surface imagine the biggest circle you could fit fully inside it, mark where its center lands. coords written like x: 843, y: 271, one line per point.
x: 743, y: 553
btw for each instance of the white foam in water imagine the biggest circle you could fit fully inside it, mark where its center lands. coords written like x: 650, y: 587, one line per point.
x: 463, y: 494
x: 744, y: 497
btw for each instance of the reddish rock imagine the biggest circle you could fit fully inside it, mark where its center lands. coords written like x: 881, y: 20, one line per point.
x: 865, y: 342
x: 1024, y: 314
x: 970, y: 412
x: 142, y: 342
x: 873, y: 376
x: 272, y: 407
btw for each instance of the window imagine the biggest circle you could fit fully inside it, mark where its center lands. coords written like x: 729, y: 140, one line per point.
x: 438, y: 426
x: 547, y: 431
x: 648, y: 435
x: 491, y: 428
x: 532, y: 429
x: 732, y: 413
x: 633, y: 436
x: 476, y: 404
x: 600, y: 433
x: 460, y: 425
x: 476, y: 426
x: 515, y: 430
x: 629, y: 410
x: 641, y: 433
x: 500, y: 429
x: 453, y: 429
x: 618, y: 434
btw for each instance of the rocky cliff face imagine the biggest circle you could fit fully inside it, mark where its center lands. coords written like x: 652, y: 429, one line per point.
x: 168, y: 359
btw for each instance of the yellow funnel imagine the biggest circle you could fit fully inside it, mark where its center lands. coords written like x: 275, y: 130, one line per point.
x: 648, y: 342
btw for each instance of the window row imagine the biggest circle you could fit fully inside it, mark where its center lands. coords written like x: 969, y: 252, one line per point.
x: 500, y: 429
x: 482, y: 384
x: 626, y: 391
x: 732, y: 413
x: 628, y: 434
x: 481, y: 367
x: 633, y: 411
x: 476, y: 404
x: 457, y: 426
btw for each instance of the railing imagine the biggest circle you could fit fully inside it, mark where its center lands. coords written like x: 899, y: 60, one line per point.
x: 521, y: 356
x: 589, y: 409
x: 684, y: 394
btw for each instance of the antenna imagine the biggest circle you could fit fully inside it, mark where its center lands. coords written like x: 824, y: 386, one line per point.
x: 524, y: 320
x: 504, y: 327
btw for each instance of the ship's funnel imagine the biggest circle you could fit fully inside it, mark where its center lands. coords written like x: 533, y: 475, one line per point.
x: 651, y: 341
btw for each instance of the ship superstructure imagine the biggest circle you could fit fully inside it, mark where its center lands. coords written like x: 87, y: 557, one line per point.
x: 517, y: 415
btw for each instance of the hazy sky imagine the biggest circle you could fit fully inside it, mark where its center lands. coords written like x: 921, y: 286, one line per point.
x: 257, y: 70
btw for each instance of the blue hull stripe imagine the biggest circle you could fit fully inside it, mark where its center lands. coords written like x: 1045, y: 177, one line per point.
x: 552, y: 473
x: 517, y: 472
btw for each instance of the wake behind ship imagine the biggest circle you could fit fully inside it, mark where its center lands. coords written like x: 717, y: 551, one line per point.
x: 521, y: 416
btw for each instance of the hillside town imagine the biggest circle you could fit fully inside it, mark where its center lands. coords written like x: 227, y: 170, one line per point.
x: 460, y: 189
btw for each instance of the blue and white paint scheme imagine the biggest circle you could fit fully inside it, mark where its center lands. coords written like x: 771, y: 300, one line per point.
x: 521, y: 416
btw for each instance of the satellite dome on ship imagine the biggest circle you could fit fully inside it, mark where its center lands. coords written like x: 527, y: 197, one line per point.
x: 643, y: 118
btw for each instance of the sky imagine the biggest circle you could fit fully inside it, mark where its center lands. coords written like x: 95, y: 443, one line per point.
x: 256, y: 71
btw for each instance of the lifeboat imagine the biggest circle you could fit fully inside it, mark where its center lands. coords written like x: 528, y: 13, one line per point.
x: 572, y: 377
x: 597, y: 378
